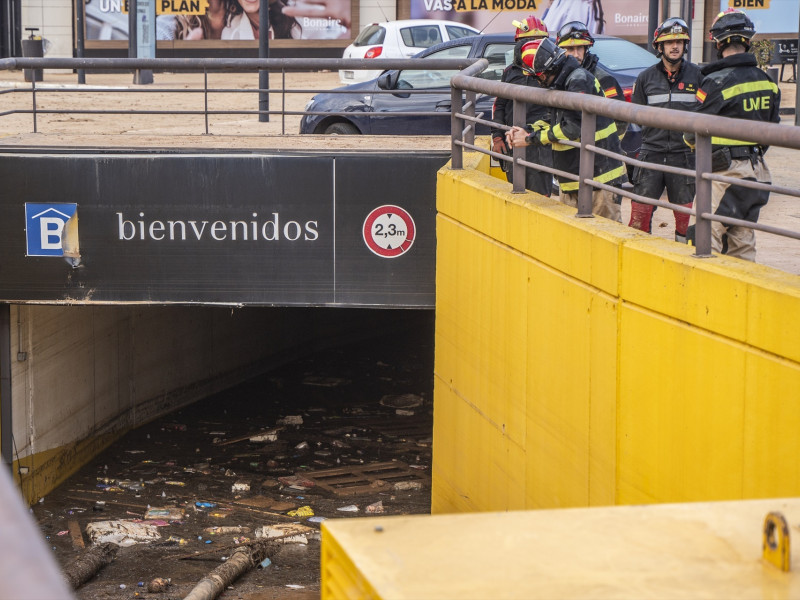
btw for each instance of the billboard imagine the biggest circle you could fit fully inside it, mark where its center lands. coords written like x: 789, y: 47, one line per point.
x: 612, y: 17
x: 193, y: 20
x: 261, y: 229
x: 769, y: 16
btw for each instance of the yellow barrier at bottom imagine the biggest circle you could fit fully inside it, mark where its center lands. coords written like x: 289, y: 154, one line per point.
x: 702, y: 550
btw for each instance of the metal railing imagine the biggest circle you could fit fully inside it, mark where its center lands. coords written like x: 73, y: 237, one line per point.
x: 204, y: 66
x: 463, y: 122
x: 465, y: 86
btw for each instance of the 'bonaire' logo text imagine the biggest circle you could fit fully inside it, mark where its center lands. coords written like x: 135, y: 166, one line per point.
x: 272, y: 229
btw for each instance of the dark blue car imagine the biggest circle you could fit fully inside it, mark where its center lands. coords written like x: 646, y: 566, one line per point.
x: 621, y: 58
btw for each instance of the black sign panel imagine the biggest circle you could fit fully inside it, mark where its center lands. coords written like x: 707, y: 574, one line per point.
x: 262, y: 229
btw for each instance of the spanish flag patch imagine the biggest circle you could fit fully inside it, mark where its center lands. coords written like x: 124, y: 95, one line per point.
x: 701, y: 96
x: 610, y: 92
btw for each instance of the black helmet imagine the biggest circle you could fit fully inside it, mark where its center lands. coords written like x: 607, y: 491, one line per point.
x: 549, y: 58
x: 732, y: 26
x: 574, y: 33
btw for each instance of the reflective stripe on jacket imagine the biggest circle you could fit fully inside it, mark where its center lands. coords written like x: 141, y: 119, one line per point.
x: 503, y: 108
x: 654, y: 88
x: 611, y: 87
x: 566, y: 125
x: 735, y: 87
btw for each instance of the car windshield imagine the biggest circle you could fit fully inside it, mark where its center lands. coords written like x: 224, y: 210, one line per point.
x: 619, y: 55
x: 456, y: 33
x: 370, y: 35
x: 499, y: 57
x: 423, y: 36
x: 415, y: 79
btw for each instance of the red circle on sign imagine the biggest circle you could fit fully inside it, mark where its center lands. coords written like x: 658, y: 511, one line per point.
x: 389, y: 231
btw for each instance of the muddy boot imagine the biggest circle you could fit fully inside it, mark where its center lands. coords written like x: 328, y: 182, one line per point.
x: 682, y: 224
x: 641, y: 216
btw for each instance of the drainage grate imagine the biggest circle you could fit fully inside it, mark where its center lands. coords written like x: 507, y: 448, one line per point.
x: 363, y: 479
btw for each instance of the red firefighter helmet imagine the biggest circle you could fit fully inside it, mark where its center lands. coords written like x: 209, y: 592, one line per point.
x: 531, y: 27
x: 542, y: 57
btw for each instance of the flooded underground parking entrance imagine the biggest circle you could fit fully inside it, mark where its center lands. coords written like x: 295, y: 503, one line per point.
x: 339, y: 428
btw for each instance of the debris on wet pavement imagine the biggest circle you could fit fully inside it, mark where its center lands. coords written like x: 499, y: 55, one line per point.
x: 271, y: 458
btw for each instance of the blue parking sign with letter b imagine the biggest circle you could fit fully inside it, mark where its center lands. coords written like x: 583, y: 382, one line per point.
x: 44, y: 226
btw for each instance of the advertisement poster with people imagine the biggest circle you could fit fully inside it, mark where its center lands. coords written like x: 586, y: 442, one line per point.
x: 622, y: 18
x: 225, y: 19
x: 331, y: 19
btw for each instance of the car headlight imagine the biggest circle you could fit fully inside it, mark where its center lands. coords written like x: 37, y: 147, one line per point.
x: 309, y: 104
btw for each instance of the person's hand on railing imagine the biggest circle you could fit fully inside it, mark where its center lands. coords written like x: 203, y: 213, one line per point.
x: 517, y: 137
x: 338, y: 10
x: 499, y: 145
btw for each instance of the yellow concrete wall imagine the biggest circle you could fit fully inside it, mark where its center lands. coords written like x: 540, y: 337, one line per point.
x: 580, y: 362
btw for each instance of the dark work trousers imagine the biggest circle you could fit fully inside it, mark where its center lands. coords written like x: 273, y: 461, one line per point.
x: 535, y: 180
x: 651, y: 184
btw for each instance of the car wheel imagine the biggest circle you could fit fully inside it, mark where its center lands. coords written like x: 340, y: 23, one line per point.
x: 341, y: 129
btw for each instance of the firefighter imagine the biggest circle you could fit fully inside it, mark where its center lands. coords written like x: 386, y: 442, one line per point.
x: 502, y: 111
x: 735, y: 87
x: 556, y: 69
x: 670, y: 83
x: 575, y: 39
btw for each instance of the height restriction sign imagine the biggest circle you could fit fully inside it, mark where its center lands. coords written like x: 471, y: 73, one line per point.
x: 389, y: 231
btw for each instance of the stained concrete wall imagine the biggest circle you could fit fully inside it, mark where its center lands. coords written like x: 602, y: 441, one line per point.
x: 580, y: 362
x: 83, y: 375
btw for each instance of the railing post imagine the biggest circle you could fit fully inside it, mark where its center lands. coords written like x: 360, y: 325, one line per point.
x: 33, y: 99
x: 283, y: 101
x: 518, y: 152
x: 702, y: 202
x: 586, y: 166
x: 205, y: 96
x: 471, y: 98
x: 456, y: 130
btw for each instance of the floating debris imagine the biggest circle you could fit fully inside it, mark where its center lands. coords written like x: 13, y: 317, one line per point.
x: 122, y: 532
x: 401, y: 401
x: 240, y: 486
x: 168, y: 513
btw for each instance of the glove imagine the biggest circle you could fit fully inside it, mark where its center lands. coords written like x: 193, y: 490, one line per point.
x: 499, y: 145
x: 541, y: 125
x: 539, y: 138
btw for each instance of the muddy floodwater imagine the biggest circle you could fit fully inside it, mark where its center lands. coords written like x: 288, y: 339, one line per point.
x: 342, y: 433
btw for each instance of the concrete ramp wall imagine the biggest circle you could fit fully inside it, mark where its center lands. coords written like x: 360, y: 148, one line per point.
x: 81, y: 376
x: 580, y: 363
